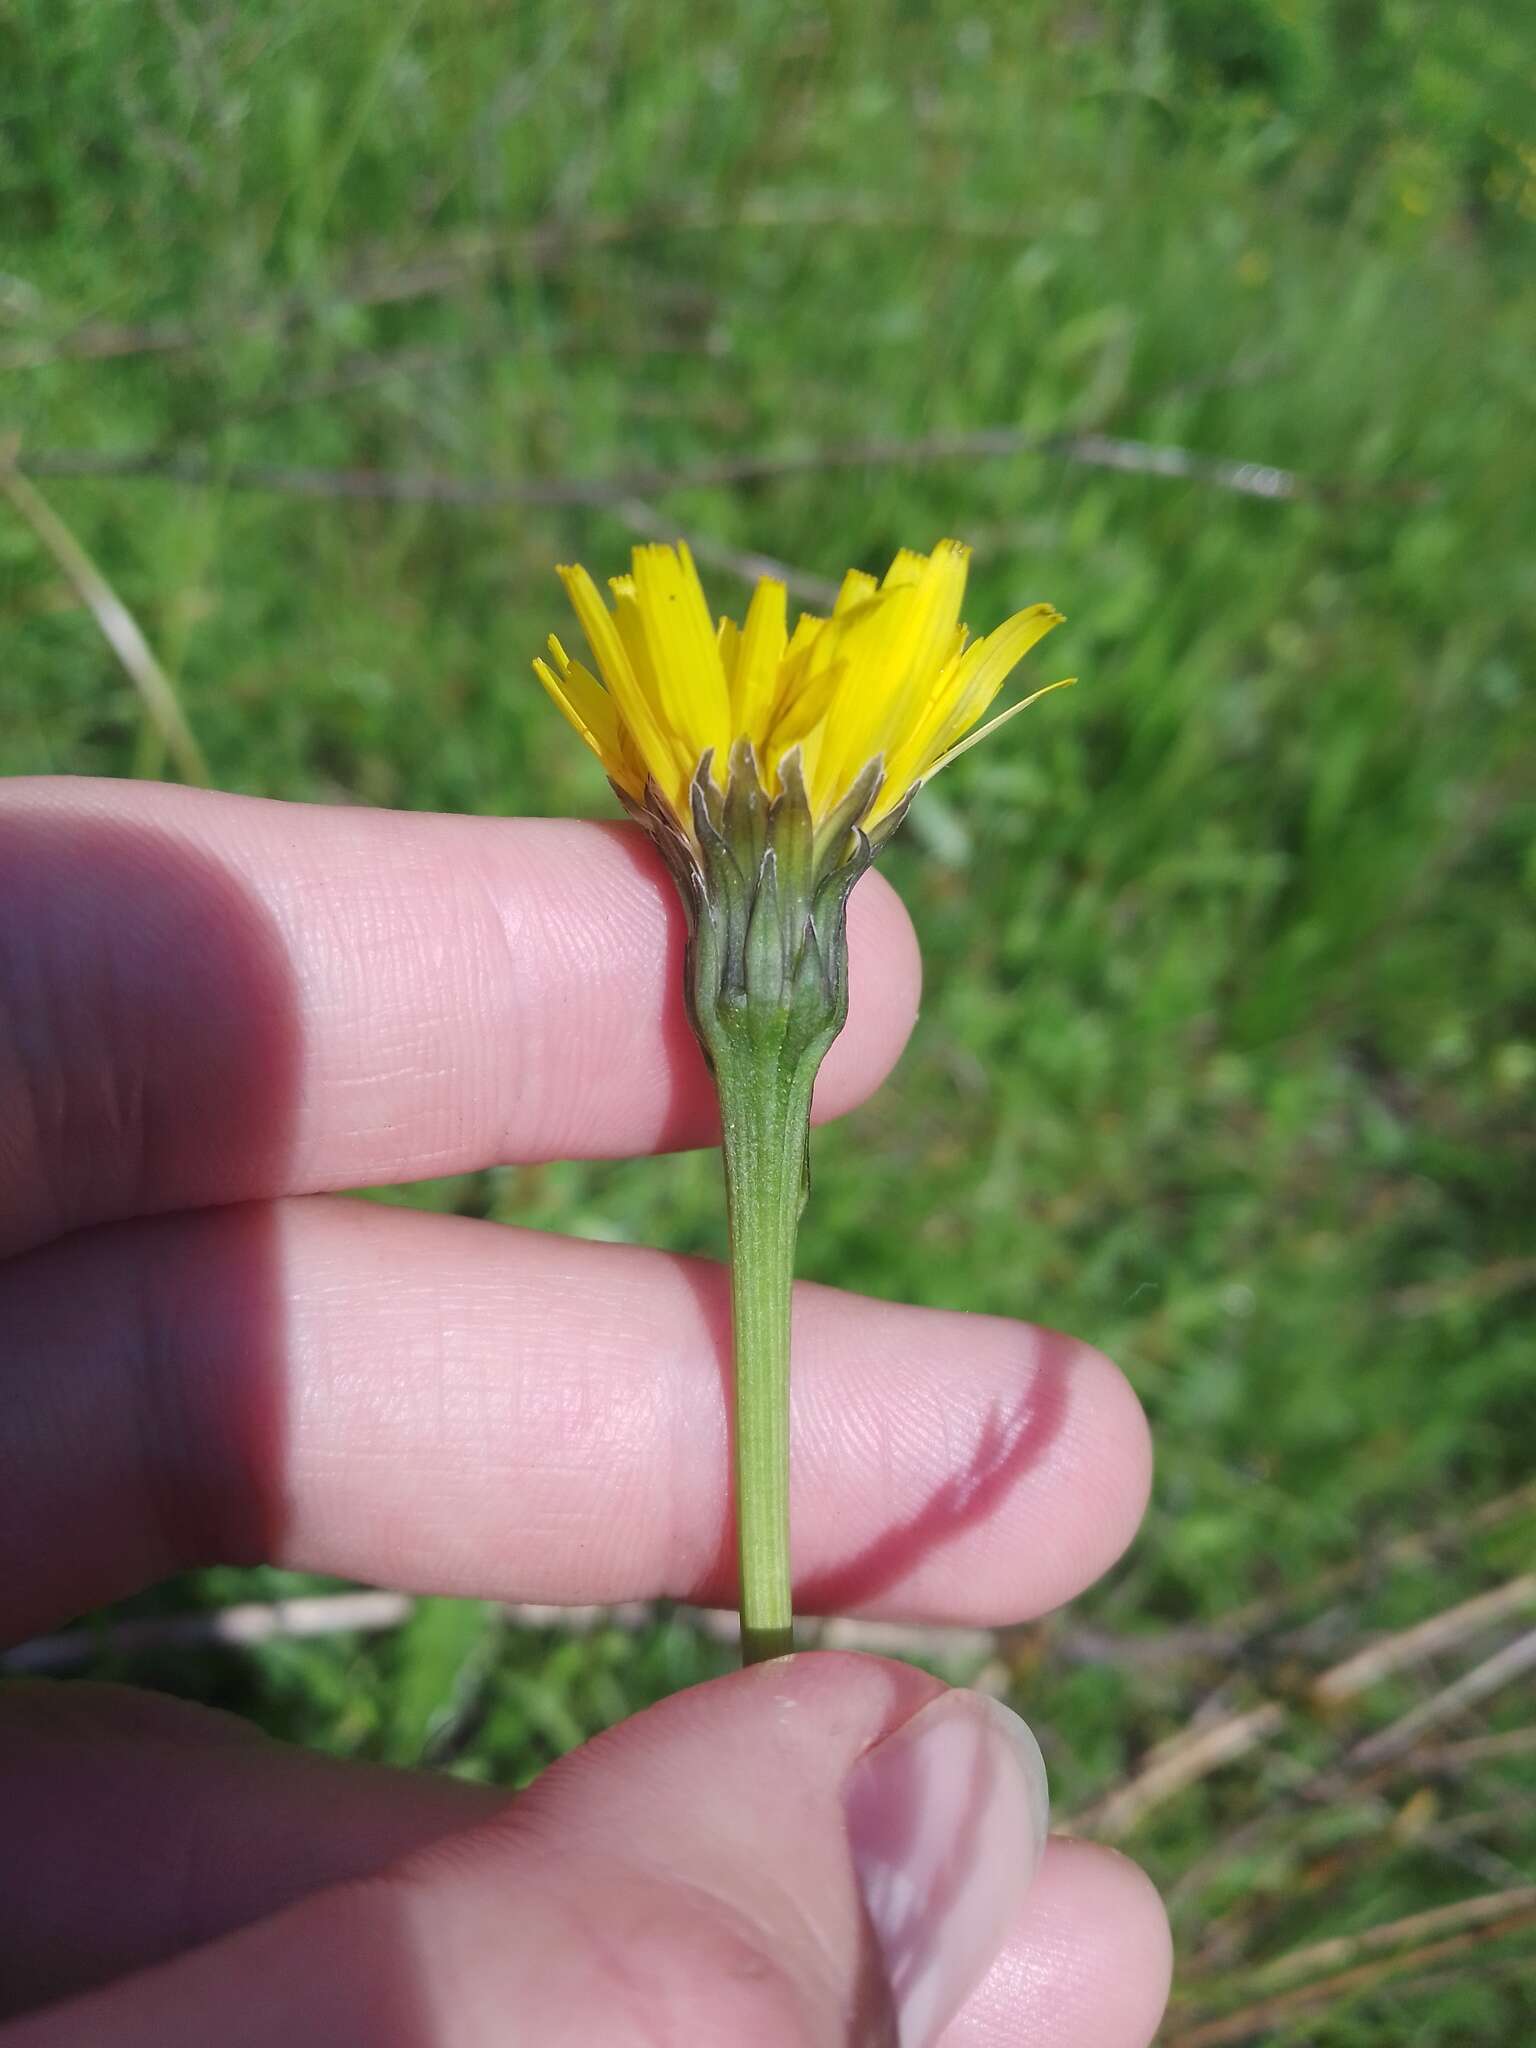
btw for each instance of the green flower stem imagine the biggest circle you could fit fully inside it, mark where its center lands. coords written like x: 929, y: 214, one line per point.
x: 765, y: 890
x: 765, y: 1108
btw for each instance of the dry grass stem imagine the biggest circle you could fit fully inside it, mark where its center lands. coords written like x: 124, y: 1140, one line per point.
x: 1258, y: 2018
x: 1426, y: 1639
x: 1474, y: 1749
x: 1479, y: 1684
x: 118, y: 626
x: 1174, y: 1766
x: 1321, y: 1957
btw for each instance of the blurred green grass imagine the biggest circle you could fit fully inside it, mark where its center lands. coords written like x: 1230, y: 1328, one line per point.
x: 1229, y: 1046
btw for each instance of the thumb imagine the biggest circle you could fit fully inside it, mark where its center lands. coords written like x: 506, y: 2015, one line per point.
x: 821, y: 1852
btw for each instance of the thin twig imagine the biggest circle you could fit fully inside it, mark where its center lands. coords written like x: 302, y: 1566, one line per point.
x: 253, y: 1621
x: 118, y: 626
x: 341, y: 1613
x: 721, y: 1624
x: 427, y: 487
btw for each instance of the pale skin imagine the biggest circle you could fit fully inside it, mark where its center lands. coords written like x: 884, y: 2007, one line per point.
x: 214, y: 1014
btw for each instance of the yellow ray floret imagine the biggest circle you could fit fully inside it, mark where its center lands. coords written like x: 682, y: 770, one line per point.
x: 891, y: 677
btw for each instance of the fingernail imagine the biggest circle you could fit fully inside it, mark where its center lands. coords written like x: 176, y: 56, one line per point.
x: 947, y: 1820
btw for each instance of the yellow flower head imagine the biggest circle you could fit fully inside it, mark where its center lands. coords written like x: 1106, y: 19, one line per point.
x: 881, y: 694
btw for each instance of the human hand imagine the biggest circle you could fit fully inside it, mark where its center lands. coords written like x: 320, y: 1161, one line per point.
x: 213, y: 1010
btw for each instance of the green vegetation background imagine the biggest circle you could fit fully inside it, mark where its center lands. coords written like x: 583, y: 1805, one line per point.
x: 1229, y: 1047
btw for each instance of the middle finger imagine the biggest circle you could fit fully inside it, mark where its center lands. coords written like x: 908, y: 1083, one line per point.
x: 458, y: 1407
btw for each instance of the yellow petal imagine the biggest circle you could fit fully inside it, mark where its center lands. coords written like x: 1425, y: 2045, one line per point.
x: 755, y: 683
x: 988, y: 665
x: 590, y: 710
x: 936, y: 618
x: 893, y: 664
x: 887, y: 677
x: 986, y: 731
x: 907, y: 567
x: 634, y: 708
x: 868, y: 646
x: 808, y: 629
x: 909, y: 755
x: 596, y: 622
x: 966, y: 691
x: 857, y: 588
x: 685, y: 656
x: 794, y: 663
x: 728, y: 642
x: 805, y: 714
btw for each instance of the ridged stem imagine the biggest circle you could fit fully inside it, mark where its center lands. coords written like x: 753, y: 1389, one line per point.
x: 765, y: 1101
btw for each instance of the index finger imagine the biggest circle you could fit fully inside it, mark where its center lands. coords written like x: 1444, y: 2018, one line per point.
x: 208, y: 999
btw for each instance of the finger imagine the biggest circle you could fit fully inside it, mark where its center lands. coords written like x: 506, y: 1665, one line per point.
x: 209, y: 998
x: 429, y: 1402
x: 869, y: 1844
x: 1088, y: 1960
x: 120, y: 1807
x: 137, y: 1826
